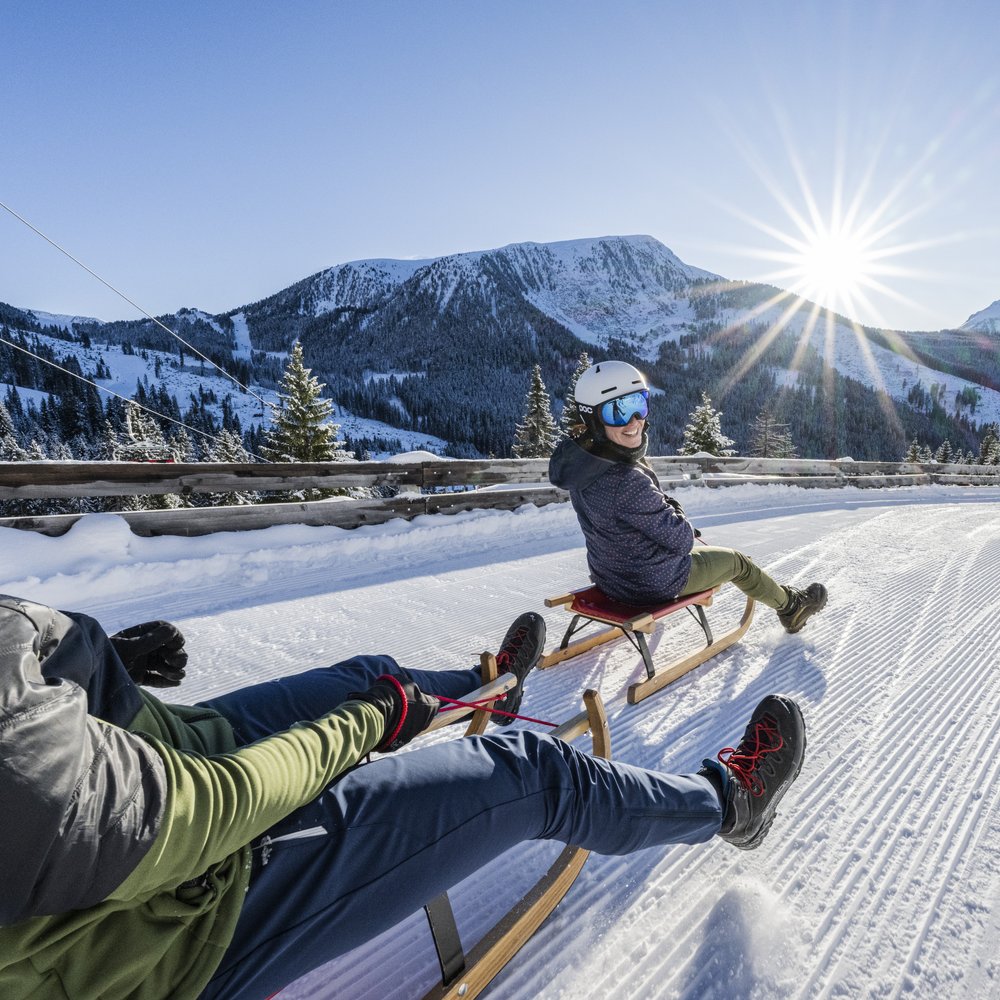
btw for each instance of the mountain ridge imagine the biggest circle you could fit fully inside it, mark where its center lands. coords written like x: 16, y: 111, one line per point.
x: 444, y: 345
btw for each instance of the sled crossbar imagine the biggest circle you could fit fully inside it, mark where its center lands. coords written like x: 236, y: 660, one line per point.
x: 492, y: 690
x: 591, y: 605
x: 465, y: 976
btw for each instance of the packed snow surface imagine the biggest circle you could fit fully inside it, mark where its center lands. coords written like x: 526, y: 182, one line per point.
x: 881, y: 876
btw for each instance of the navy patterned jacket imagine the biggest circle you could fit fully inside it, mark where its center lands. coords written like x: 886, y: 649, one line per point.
x: 638, y: 545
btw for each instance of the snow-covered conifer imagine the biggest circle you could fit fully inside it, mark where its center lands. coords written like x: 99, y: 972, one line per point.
x: 181, y: 446
x: 989, y: 446
x: 570, y: 416
x: 301, y: 430
x: 144, y: 441
x: 704, y: 431
x: 228, y: 447
x: 10, y: 450
x: 537, y: 433
x: 6, y: 423
x: 770, y: 439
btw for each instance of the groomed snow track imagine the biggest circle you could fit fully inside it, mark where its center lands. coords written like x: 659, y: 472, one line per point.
x: 881, y: 877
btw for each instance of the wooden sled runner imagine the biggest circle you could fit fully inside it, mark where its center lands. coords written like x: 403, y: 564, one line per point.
x: 465, y: 975
x: 591, y: 605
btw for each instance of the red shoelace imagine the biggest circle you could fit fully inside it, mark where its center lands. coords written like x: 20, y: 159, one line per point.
x: 516, y: 641
x: 744, y: 760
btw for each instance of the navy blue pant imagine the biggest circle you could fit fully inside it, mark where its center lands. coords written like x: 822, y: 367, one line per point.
x: 391, y: 835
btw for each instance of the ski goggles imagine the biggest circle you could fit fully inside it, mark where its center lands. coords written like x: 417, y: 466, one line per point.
x: 618, y: 412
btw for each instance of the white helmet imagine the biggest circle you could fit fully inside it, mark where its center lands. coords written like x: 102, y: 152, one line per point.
x: 606, y: 380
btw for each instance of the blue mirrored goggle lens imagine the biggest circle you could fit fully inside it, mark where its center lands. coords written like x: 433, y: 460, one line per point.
x: 618, y: 412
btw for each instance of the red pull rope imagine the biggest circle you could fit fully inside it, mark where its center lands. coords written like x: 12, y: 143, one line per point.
x: 499, y: 711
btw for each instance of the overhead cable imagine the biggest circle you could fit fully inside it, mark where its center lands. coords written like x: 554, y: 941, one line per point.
x: 118, y: 395
x: 135, y: 305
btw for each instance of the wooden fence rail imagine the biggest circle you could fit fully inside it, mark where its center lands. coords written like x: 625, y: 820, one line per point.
x: 426, y: 487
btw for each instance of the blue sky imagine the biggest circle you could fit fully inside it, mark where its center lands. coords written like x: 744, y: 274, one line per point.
x: 208, y: 154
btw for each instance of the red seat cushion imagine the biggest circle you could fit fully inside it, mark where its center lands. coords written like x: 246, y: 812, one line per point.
x: 593, y: 602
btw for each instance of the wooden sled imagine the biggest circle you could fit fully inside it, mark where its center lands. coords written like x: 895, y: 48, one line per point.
x: 591, y: 605
x: 466, y: 975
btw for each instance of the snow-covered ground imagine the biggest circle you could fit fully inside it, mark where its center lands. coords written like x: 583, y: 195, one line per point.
x: 881, y: 876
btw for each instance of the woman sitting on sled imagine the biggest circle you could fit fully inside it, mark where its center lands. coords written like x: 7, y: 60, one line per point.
x: 640, y: 545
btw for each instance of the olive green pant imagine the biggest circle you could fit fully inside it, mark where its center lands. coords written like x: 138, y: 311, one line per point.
x: 712, y: 566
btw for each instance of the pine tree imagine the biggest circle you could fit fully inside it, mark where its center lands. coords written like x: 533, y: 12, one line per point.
x: 537, y: 433
x: 181, y: 446
x: 704, y: 431
x: 144, y: 441
x: 6, y: 423
x: 228, y: 447
x: 769, y: 439
x: 108, y: 448
x: 913, y: 452
x: 989, y: 446
x: 945, y: 453
x: 570, y: 416
x: 301, y: 431
x: 10, y: 450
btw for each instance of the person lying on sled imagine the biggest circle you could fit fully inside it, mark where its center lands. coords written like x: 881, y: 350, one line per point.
x: 159, y: 852
x: 640, y: 545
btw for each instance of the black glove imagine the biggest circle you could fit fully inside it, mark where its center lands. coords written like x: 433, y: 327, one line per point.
x: 670, y: 501
x: 407, y: 711
x: 153, y: 653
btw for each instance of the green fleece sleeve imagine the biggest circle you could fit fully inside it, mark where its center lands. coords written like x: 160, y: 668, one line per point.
x: 217, y: 805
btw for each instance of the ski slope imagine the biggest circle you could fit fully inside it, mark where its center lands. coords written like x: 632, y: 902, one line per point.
x: 881, y: 876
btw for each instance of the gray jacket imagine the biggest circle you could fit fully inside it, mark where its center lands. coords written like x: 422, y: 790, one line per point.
x: 81, y: 800
x: 638, y: 545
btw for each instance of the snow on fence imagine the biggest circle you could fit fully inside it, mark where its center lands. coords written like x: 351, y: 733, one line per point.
x: 420, y: 487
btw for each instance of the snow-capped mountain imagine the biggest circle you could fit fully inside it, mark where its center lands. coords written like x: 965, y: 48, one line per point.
x: 985, y: 321
x: 445, y: 346
x: 600, y: 288
x: 358, y: 284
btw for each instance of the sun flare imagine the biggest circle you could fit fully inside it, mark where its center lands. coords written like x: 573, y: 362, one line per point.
x: 833, y: 268
x: 835, y: 262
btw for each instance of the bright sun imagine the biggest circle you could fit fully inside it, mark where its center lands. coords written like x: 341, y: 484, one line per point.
x: 834, y: 259
x: 832, y: 268
x: 833, y: 263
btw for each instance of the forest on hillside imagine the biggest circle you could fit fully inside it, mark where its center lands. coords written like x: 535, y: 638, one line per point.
x: 463, y: 374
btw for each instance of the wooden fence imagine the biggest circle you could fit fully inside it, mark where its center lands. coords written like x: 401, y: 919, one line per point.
x: 428, y: 487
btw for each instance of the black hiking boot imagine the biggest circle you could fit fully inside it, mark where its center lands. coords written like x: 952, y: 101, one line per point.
x: 802, y: 605
x: 761, y: 769
x: 520, y: 650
